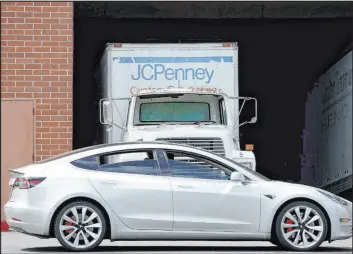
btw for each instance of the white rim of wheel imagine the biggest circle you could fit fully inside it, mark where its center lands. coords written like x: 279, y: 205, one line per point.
x: 302, y: 226
x: 80, y: 226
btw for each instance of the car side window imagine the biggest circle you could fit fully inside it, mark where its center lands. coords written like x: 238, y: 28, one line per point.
x: 189, y: 166
x: 142, y: 163
x: 90, y: 163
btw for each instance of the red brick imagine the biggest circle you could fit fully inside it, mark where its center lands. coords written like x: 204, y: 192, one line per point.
x: 8, y: 14
x: 24, y: 49
x: 15, y: 20
x: 42, y: 95
x: 50, y: 43
x: 24, y: 83
x: 51, y: 101
x: 8, y: 95
x: 24, y: 95
x: 34, y: 66
x: 66, y: 147
x: 34, y: 20
x: 24, y: 72
x: 43, y: 106
x: 59, y: 130
x: 41, y: 14
x: 65, y: 124
x: 50, y: 135
x: 60, y: 4
x: 50, y: 124
x: 8, y: 83
x: 58, y: 118
x: 43, y: 152
x: 65, y: 135
x: 50, y: 147
x: 41, y: 72
x: 33, y: 9
x: 24, y: 3
x: 15, y: 43
x: 50, y: 89
x: 15, y: 89
x: 24, y: 26
x: 59, y: 141
x: 59, y: 106
x: 41, y: 3
x: 15, y: 9
x: 25, y: 14
x: 43, y: 118
x: 43, y: 130
x: 43, y: 141
x: 42, y: 84
x: 34, y: 78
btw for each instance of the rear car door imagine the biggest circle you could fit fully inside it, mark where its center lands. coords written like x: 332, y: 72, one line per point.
x: 206, y: 200
x: 130, y: 184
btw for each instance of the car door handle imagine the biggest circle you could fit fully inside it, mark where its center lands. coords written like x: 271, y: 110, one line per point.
x: 108, y: 183
x: 185, y: 186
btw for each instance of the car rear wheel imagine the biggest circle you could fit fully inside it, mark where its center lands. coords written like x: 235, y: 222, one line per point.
x: 301, y: 226
x: 80, y: 226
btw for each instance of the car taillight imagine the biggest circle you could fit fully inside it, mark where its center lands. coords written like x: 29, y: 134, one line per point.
x: 26, y: 183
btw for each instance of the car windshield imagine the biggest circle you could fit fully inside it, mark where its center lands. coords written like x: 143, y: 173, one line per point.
x: 174, y: 112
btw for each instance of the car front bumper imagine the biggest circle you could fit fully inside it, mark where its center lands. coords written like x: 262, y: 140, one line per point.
x: 340, y: 219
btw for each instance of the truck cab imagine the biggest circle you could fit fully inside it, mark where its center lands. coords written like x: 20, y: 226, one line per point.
x: 203, y: 119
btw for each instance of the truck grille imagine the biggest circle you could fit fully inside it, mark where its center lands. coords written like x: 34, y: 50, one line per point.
x: 214, y: 145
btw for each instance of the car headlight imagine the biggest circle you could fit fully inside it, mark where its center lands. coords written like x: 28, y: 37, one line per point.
x: 333, y: 197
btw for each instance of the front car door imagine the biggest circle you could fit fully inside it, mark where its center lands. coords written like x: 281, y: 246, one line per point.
x: 130, y: 184
x: 206, y: 200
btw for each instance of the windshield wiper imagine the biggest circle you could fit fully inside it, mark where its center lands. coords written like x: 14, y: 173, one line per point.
x: 203, y: 122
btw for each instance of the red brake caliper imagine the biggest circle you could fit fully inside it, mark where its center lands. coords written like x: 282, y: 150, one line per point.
x: 289, y: 222
x: 67, y: 223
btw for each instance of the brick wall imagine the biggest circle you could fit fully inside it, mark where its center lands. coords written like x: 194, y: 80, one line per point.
x: 36, y: 63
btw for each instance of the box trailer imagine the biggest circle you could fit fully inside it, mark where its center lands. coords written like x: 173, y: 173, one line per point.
x: 327, y: 136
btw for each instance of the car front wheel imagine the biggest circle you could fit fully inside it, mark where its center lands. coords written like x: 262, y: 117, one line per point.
x: 301, y: 226
x: 80, y: 226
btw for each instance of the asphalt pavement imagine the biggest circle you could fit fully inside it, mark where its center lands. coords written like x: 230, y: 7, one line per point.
x: 12, y: 242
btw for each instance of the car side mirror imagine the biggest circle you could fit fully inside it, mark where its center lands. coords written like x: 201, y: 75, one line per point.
x: 237, y: 177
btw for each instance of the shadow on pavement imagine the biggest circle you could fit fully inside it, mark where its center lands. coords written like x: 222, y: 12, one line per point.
x: 181, y: 249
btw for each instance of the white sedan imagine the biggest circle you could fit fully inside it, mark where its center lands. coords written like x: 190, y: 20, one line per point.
x: 160, y: 191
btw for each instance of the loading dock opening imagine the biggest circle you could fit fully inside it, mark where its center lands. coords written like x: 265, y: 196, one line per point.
x: 279, y: 61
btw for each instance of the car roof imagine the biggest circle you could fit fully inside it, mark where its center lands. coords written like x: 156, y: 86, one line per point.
x: 102, y: 148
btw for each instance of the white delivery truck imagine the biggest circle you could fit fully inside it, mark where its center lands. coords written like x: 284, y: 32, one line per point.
x: 327, y: 137
x: 181, y: 93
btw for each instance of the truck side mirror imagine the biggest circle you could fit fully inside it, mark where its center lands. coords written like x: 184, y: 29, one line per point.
x: 106, y: 112
x: 253, y: 120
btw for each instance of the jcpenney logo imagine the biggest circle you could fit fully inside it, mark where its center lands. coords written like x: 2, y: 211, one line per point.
x: 160, y: 71
x: 156, y: 68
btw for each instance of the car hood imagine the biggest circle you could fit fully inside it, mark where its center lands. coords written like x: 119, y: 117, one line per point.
x: 280, y: 188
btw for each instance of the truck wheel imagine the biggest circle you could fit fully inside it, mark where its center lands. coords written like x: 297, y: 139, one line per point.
x: 301, y: 226
x: 80, y: 226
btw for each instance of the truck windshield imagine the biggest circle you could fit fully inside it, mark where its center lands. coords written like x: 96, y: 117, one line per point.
x: 174, y: 112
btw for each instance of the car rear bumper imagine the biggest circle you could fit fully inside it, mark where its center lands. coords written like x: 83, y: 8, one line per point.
x: 25, y: 219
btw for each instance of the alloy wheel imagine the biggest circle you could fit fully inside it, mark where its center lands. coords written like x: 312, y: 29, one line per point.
x: 80, y: 226
x: 302, y: 226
